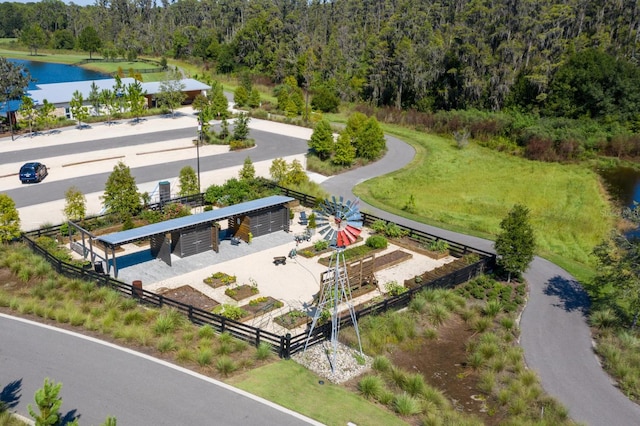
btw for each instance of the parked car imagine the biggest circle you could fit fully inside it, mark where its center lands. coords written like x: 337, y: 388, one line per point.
x: 33, y: 172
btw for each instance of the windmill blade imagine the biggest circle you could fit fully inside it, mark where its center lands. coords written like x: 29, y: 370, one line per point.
x: 324, y: 230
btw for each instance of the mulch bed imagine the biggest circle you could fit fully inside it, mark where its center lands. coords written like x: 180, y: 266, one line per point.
x: 190, y: 296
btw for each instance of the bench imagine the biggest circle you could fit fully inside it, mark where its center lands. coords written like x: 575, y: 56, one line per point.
x: 304, y: 220
x: 280, y: 260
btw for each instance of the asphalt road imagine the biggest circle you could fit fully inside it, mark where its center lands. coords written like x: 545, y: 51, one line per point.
x: 554, y: 332
x: 555, y: 335
x: 268, y: 146
x: 100, y: 380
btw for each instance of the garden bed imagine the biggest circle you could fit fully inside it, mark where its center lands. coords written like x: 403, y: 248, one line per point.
x: 190, y: 296
x: 413, y: 245
x: 241, y: 292
x: 292, y: 319
x: 260, y: 306
x: 219, y: 279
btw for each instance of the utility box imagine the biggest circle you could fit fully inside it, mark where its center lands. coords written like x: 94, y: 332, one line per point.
x: 164, y: 190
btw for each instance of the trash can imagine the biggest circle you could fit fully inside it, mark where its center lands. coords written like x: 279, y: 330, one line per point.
x: 98, y: 267
x: 164, y: 190
x: 136, y: 290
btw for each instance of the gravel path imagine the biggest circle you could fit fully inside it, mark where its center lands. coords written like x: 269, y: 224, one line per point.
x: 555, y: 335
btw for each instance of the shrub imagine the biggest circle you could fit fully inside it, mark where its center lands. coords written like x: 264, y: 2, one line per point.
x: 381, y: 363
x: 166, y: 344
x: 439, y: 246
x: 263, y: 351
x: 376, y: 242
x: 230, y: 311
x: 406, y: 405
x: 379, y: 226
x: 321, y: 245
x: 603, y: 318
x: 226, y: 365
x: 371, y: 386
x: 394, y: 289
x: 204, y: 356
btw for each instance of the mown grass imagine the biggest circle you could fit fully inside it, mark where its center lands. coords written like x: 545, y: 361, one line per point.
x: 470, y: 190
x: 327, y: 403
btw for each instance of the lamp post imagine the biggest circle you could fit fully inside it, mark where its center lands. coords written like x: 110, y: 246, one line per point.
x: 198, y: 150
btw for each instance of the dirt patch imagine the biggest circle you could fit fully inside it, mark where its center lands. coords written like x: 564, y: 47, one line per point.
x: 190, y: 296
x: 442, y: 362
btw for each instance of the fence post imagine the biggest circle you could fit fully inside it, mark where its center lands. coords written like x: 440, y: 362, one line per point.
x: 282, y: 345
x: 160, y: 300
x: 258, y: 337
x: 223, y: 324
x: 191, y: 313
x: 287, y: 347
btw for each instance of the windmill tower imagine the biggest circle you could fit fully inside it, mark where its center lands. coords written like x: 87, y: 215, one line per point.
x: 340, y: 223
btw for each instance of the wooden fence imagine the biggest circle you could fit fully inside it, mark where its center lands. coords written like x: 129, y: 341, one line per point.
x: 284, y: 345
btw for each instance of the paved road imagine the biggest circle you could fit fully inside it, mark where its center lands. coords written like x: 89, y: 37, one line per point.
x: 268, y: 146
x: 554, y: 332
x: 100, y: 379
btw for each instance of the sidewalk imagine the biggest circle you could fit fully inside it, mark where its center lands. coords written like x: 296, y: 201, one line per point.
x: 85, y: 164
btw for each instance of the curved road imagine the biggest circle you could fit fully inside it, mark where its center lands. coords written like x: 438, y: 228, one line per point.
x: 100, y: 379
x: 554, y: 332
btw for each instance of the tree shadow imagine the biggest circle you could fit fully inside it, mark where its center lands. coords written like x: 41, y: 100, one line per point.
x: 70, y: 417
x: 571, y: 294
x: 10, y: 394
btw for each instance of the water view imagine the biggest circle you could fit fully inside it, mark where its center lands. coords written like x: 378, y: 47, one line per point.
x: 623, y: 183
x: 46, y: 72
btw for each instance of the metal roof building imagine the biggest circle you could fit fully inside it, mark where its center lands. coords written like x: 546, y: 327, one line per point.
x: 185, y: 236
x: 60, y: 94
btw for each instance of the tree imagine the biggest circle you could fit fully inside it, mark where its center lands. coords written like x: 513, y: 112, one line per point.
x: 34, y: 37
x: 109, y: 100
x: 171, y: 93
x: 28, y: 111
x: 14, y: 80
x: 78, y: 110
x: 9, y: 219
x: 45, y: 114
x: 369, y: 141
x: 321, y: 141
x: 121, y: 196
x: 240, y: 97
x: 188, y: 181
x: 136, y: 101
x: 241, y: 127
x: 89, y: 40
x: 515, y: 245
x: 94, y: 98
x: 345, y: 153
x: 278, y: 170
x: 75, y: 207
x: 254, y: 98
x: 295, y: 174
x: 219, y: 102
x: 63, y: 39
x: 48, y: 402
x: 248, y: 171
x: 325, y: 99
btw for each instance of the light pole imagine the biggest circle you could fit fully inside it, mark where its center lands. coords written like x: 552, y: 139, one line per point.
x: 198, y: 149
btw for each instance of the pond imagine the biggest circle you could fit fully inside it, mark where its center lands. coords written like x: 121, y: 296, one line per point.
x: 48, y: 72
x: 623, y: 183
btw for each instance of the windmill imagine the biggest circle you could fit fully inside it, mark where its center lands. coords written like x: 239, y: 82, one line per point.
x: 340, y: 223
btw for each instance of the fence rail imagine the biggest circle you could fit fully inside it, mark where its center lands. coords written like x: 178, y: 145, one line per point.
x: 284, y: 345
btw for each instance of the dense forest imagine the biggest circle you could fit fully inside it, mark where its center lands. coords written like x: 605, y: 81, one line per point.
x: 575, y: 59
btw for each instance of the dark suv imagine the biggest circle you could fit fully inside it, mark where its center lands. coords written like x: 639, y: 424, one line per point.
x: 33, y: 172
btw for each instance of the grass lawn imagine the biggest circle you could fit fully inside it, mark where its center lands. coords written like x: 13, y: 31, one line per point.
x: 472, y: 189
x: 300, y: 391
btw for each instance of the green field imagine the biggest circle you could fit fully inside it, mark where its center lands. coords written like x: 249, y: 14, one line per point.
x: 300, y: 391
x: 470, y: 190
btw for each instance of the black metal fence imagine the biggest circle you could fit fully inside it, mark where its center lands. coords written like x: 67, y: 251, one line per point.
x: 284, y: 345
